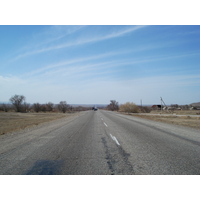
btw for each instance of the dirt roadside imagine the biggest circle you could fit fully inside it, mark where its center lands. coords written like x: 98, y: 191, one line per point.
x: 11, y: 121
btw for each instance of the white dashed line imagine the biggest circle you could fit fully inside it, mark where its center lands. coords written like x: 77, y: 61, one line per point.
x: 105, y: 124
x: 115, y: 139
x: 111, y: 136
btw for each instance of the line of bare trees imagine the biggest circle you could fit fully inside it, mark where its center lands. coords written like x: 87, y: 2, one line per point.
x: 19, y: 104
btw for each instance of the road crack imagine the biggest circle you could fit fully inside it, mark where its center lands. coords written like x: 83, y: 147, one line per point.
x: 110, y: 160
x: 117, y: 160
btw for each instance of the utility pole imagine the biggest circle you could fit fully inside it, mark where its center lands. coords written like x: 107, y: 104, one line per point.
x: 162, y: 102
x: 141, y: 102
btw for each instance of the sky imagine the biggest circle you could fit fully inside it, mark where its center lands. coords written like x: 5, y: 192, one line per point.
x: 95, y: 64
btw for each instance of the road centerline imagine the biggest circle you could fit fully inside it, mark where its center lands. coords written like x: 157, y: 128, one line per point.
x: 105, y: 124
x: 114, y: 139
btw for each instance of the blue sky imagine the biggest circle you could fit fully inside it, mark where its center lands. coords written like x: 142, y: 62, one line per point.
x: 95, y: 64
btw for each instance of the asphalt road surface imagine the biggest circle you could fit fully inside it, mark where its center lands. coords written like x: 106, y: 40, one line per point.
x: 101, y: 143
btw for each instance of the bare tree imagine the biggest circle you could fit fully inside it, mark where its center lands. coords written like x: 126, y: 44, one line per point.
x: 5, y: 107
x: 37, y: 107
x: 43, y: 108
x: 49, y: 106
x: 26, y: 107
x: 113, y: 105
x: 17, y: 101
x: 63, y: 106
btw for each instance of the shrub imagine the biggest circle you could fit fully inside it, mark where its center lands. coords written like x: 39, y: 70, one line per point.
x: 129, y: 107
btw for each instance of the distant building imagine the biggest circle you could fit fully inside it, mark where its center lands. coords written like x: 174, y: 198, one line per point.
x: 156, y: 107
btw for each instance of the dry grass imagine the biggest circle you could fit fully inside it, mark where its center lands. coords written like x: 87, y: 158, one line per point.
x: 193, y: 122
x: 178, y: 112
x: 16, y: 121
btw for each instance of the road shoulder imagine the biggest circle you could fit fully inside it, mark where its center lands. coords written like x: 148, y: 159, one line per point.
x: 180, y: 120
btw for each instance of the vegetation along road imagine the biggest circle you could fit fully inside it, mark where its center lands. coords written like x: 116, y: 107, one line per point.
x: 101, y: 142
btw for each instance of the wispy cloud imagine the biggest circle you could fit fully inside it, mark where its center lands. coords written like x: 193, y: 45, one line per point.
x: 82, y: 41
x: 85, y: 66
x: 43, y: 41
x: 133, y: 61
x: 115, y: 34
x: 67, y: 63
x: 55, y: 33
x: 79, y: 69
x: 189, y: 32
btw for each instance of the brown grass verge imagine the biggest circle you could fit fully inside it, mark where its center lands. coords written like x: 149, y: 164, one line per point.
x: 11, y: 121
x: 193, y: 122
x: 177, y: 112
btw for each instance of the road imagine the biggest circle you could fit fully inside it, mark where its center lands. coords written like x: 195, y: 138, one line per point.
x: 101, y: 143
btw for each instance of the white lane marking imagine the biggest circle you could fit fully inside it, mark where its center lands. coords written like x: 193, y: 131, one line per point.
x: 102, y: 119
x: 105, y: 124
x: 115, y: 139
x: 111, y: 136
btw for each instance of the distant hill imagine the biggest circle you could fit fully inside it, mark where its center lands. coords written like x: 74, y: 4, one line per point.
x: 195, y: 104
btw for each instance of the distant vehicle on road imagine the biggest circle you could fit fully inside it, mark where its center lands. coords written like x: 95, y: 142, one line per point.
x: 95, y: 108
